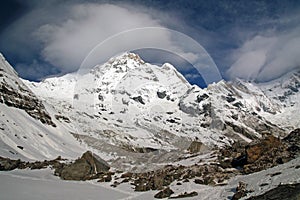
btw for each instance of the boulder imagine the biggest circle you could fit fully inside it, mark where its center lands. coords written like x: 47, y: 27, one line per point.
x: 185, y: 195
x: 240, y: 191
x: 167, y: 192
x: 161, y: 95
x: 139, y: 99
x: 84, y: 168
x: 196, y: 147
x: 262, y: 153
x: 97, y: 163
x: 7, y: 164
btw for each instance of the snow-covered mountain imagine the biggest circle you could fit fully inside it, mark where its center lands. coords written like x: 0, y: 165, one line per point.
x: 149, y: 120
x: 133, y: 112
x: 29, y: 128
x: 126, y: 107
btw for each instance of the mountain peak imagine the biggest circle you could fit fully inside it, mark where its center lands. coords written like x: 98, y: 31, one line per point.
x: 168, y: 66
x: 120, y: 63
x: 125, y: 57
x: 6, y: 67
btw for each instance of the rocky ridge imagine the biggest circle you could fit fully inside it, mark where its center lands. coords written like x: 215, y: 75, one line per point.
x: 14, y: 93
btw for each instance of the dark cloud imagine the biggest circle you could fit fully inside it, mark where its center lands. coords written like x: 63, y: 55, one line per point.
x: 10, y: 11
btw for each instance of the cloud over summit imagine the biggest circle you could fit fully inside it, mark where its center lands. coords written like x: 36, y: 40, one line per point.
x: 66, y: 44
x: 257, y: 40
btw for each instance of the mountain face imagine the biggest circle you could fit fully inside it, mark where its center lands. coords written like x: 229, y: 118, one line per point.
x: 28, y: 129
x: 136, y: 115
x: 15, y: 93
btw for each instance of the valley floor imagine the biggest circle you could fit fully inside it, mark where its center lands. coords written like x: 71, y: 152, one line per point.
x: 42, y: 184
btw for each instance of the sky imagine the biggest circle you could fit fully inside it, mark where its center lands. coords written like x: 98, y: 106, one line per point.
x: 256, y: 40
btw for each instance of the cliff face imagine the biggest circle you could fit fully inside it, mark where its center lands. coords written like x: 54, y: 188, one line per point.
x: 30, y: 129
x: 14, y: 93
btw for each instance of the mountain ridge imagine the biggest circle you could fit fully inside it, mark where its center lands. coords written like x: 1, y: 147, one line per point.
x: 127, y: 106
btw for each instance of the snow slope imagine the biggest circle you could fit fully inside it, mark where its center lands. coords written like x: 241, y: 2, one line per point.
x: 285, y: 91
x: 29, y: 129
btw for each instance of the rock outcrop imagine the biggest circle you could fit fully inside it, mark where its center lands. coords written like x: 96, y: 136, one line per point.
x: 14, y: 93
x: 293, y: 142
x: 7, y: 164
x: 266, y: 153
x: 167, y: 192
x: 262, y: 153
x: 282, y: 192
x: 27, y: 102
x: 208, y: 174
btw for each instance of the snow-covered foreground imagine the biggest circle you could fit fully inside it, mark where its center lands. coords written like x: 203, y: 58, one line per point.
x: 42, y: 184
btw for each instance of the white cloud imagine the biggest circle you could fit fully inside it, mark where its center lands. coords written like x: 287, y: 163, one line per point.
x: 61, y: 35
x: 248, y: 65
x: 265, y: 58
x: 68, y: 43
x: 192, y: 76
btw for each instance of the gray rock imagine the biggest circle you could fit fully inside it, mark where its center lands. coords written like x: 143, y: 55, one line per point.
x: 240, y: 191
x: 196, y: 147
x: 282, y: 192
x: 161, y: 95
x: 84, y: 168
x: 185, y: 195
x: 164, y: 193
x: 139, y: 99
